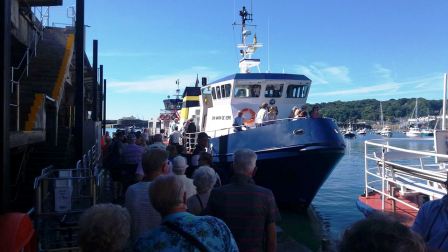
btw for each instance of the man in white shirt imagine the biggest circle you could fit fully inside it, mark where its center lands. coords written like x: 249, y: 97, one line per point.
x: 175, y: 136
x: 262, y: 115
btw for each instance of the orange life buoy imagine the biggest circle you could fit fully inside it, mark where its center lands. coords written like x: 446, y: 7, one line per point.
x: 248, y: 120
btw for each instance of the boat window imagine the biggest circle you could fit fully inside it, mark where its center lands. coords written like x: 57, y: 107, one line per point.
x: 223, y: 92
x: 245, y: 91
x: 296, y: 91
x: 228, y: 88
x: 274, y: 90
x: 213, y: 93
x: 218, y: 92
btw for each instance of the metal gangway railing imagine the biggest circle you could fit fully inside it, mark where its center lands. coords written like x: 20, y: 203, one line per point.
x: 62, y: 195
x: 388, y: 167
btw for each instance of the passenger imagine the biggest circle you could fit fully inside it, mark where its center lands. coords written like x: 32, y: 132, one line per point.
x: 249, y: 210
x: 238, y: 122
x: 104, y: 228
x: 112, y: 162
x: 175, y: 136
x: 204, y: 178
x: 315, y: 112
x: 206, y: 159
x: 432, y: 223
x: 303, y: 111
x: 262, y: 115
x: 140, y: 140
x: 293, y: 112
x: 272, y: 114
x: 131, y: 160
x: 179, y: 167
x: 145, y: 135
x: 137, y: 201
x: 380, y: 233
x: 199, y: 148
x: 158, y: 143
x: 180, y: 230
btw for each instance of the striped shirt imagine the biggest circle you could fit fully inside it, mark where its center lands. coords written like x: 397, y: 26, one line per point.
x: 143, y: 215
x: 247, y: 209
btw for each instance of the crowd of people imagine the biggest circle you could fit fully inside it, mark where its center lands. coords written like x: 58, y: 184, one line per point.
x: 178, y: 202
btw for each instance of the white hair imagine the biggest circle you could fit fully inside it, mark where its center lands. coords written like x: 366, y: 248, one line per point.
x: 166, y: 192
x: 204, y: 178
x: 104, y: 227
x: 244, y: 161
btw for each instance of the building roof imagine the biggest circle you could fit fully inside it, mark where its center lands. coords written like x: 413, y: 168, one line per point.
x: 262, y: 76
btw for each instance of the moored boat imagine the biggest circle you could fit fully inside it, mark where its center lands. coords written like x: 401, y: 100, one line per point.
x: 400, y: 176
x: 295, y: 155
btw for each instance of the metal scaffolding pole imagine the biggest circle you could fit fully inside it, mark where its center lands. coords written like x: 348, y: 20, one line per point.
x: 104, y: 115
x: 79, y: 98
x: 95, y: 81
x: 103, y: 126
x: 5, y: 66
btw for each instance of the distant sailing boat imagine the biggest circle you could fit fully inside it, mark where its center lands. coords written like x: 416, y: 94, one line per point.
x: 385, y: 131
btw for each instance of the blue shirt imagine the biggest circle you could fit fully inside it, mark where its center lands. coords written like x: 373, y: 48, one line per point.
x: 432, y: 223
x: 210, y: 231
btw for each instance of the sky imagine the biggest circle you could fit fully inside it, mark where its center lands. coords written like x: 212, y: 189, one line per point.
x: 350, y: 49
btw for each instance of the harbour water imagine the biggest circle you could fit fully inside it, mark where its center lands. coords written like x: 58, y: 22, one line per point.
x: 334, y: 207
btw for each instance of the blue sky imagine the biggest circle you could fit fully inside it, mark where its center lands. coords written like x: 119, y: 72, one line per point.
x: 351, y: 49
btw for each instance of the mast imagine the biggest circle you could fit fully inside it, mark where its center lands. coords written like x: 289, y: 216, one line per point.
x: 381, y: 116
x: 444, y: 102
x: 247, y: 49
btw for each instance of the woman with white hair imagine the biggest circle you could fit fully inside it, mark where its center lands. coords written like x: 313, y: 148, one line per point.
x: 180, y: 230
x: 204, y: 178
x: 179, y: 164
x: 104, y: 228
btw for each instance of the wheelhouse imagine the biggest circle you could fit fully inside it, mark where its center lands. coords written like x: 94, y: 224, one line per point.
x: 222, y: 99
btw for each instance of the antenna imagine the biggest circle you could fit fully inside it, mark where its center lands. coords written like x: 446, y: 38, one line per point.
x: 269, y: 45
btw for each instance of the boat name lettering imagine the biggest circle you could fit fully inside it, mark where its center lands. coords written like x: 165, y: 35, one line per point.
x: 221, y: 117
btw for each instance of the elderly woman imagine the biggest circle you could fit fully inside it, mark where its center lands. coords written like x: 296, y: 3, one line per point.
x: 104, y: 228
x: 180, y: 230
x: 204, y: 178
x: 179, y: 165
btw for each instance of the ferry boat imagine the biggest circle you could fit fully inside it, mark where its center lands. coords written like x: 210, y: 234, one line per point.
x: 295, y: 155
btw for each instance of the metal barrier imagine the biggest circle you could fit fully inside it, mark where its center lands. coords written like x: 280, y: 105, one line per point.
x: 388, y: 166
x: 62, y: 195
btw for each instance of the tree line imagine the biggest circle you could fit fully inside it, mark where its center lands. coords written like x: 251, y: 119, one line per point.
x: 369, y: 109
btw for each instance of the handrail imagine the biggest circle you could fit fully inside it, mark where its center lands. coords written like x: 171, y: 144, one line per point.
x: 229, y: 129
x: 24, y: 60
x: 403, y: 175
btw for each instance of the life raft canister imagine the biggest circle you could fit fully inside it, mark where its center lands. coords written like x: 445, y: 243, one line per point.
x: 248, y: 117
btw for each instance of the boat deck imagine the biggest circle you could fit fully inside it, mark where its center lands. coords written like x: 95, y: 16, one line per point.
x: 373, y: 203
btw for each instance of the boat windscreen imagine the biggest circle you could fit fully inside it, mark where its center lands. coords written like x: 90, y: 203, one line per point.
x: 247, y: 91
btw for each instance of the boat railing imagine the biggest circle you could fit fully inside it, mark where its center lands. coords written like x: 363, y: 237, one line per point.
x: 190, y: 139
x: 388, y: 168
x: 232, y: 129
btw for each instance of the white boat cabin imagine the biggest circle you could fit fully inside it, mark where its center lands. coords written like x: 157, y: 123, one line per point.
x: 221, y: 100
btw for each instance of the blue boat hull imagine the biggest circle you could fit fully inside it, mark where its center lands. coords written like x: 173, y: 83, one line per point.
x: 294, y: 158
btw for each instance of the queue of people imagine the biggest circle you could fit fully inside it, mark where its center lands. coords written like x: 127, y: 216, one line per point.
x: 167, y: 211
x: 162, y: 214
